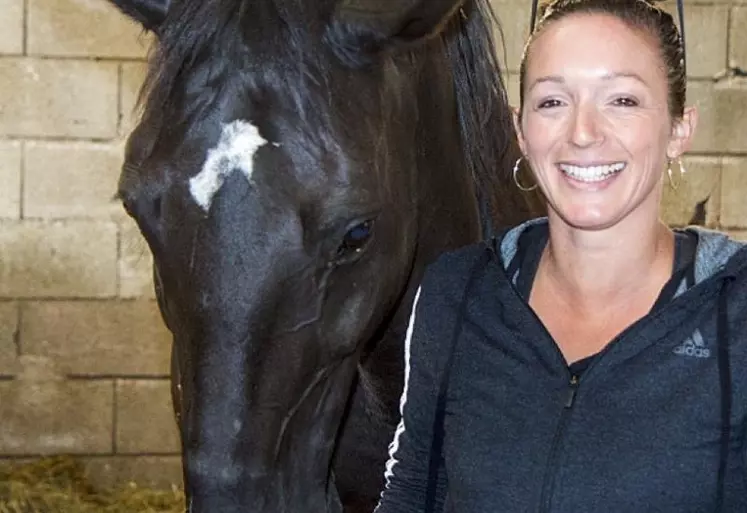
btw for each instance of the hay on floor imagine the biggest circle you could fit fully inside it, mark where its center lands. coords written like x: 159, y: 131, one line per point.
x: 59, y: 485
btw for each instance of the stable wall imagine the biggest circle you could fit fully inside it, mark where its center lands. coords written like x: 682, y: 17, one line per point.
x: 83, y: 353
x: 84, y: 356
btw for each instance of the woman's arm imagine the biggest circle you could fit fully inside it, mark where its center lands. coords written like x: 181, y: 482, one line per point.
x: 410, y: 451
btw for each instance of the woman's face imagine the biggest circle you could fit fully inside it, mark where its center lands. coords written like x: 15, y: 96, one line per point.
x: 595, y: 124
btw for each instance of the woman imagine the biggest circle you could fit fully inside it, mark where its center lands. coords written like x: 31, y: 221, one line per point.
x: 591, y: 361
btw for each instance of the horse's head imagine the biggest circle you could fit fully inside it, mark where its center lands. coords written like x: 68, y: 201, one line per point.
x: 274, y: 175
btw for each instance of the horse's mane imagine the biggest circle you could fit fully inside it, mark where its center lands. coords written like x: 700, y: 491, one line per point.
x: 196, y: 29
x: 486, y: 126
x: 188, y: 29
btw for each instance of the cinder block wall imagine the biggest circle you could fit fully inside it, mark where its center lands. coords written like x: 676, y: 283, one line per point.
x: 83, y: 352
x: 84, y: 356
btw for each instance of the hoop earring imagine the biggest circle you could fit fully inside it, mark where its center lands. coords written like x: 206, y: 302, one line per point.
x: 516, y: 177
x: 670, y: 174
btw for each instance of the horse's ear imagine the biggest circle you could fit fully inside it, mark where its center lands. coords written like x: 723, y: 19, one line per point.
x: 361, y: 28
x: 149, y: 13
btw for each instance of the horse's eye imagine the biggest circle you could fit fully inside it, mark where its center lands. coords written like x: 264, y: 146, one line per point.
x: 355, y: 239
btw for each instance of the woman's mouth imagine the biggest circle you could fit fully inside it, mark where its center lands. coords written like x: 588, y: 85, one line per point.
x: 595, y: 173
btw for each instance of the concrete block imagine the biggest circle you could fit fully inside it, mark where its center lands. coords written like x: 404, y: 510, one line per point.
x: 700, y: 184
x: 133, y: 76
x: 145, y: 418
x: 511, y: 81
x: 60, y: 259
x: 98, y: 337
x: 720, y: 2
x: 723, y: 115
x: 706, y: 34
x: 8, y: 336
x: 10, y: 179
x: 738, y: 38
x: 72, y: 179
x: 135, y: 263
x: 83, y: 28
x: 734, y: 193
x: 58, y: 98
x: 53, y: 416
x: 513, y: 18
x: 11, y: 27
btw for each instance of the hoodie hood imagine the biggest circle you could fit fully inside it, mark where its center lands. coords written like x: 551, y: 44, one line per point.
x: 716, y: 251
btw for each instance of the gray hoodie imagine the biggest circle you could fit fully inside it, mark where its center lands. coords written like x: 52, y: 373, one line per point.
x: 494, y: 420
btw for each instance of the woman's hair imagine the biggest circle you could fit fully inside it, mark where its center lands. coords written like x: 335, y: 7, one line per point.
x: 637, y: 14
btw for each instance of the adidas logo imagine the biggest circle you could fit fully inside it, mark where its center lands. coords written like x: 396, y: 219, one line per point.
x: 694, y: 345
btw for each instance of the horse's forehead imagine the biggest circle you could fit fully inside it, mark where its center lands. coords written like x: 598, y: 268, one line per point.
x: 275, y: 147
x: 237, y: 145
x: 285, y: 139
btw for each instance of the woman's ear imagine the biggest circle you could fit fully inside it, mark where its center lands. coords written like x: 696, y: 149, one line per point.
x: 516, y: 116
x: 683, y: 132
x: 360, y: 29
x: 149, y: 13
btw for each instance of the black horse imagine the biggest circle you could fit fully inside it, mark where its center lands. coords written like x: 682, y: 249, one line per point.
x: 296, y: 165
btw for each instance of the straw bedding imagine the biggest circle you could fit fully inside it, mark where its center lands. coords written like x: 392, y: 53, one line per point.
x: 59, y: 485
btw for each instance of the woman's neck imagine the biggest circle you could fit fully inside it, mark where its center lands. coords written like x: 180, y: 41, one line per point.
x: 593, y: 269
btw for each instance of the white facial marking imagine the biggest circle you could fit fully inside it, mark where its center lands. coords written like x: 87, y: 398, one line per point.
x: 239, y: 141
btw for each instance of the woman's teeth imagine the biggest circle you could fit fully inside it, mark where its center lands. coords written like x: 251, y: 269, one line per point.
x: 592, y: 173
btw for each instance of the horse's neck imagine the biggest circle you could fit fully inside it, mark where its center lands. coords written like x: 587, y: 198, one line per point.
x: 448, y: 203
x: 447, y: 217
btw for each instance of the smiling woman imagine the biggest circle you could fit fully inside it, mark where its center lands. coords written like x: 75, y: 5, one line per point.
x: 583, y: 361
x: 596, y: 122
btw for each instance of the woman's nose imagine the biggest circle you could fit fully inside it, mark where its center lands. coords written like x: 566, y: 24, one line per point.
x: 585, y: 126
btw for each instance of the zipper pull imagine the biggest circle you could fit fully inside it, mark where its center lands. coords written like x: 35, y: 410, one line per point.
x: 573, y: 386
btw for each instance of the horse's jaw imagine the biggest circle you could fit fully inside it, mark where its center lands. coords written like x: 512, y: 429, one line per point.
x: 288, y: 471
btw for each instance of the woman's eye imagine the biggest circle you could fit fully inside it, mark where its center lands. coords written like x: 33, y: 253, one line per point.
x: 626, y: 101
x: 547, y: 104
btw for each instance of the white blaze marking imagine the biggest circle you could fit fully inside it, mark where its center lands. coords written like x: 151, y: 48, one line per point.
x: 239, y: 141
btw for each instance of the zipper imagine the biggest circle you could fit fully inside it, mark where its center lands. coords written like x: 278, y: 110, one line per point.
x: 572, y: 387
x: 574, y: 382
x: 549, y: 479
